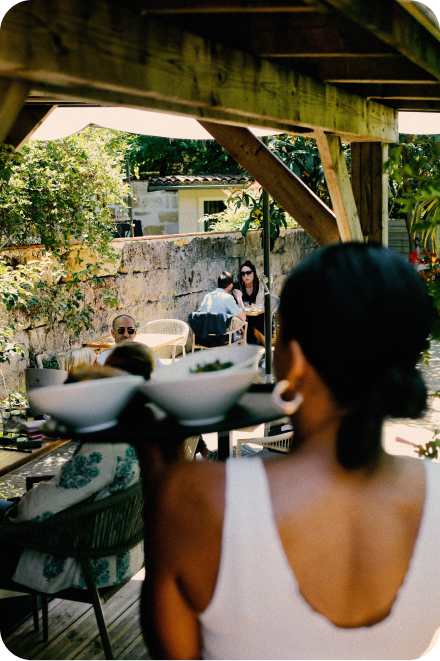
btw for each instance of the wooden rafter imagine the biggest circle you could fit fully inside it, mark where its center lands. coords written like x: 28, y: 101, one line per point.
x: 339, y: 186
x: 82, y: 49
x: 280, y: 182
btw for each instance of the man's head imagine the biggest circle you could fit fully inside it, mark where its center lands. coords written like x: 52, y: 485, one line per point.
x: 123, y: 328
x: 225, y: 281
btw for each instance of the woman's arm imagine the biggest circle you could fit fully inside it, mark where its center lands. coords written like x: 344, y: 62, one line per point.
x: 238, y: 295
x: 182, y: 557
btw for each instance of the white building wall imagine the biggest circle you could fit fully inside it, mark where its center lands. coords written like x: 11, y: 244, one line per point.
x: 158, y: 210
x: 191, y: 206
x: 170, y: 212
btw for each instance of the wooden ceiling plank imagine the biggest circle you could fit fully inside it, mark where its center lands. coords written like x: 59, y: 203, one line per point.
x: 280, y: 182
x: 365, y: 69
x: 13, y: 94
x: 178, y: 7
x: 104, y: 51
x: 27, y: 122
x: 396, y: 27
x: 339, y: 186
x: 286, y: 34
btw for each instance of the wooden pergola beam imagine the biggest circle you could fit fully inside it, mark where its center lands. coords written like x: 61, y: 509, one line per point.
x: 13, y: 94
x: 339, y: 186
x: 280, y: 182
x: 105, y: 53
x: 27, y: 122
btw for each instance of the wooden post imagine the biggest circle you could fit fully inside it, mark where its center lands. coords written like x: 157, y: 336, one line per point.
x: 276, y: 178
x: 370, y: 189
x: 13, y: 94
x: 267, y: 301
x: 338, y: 182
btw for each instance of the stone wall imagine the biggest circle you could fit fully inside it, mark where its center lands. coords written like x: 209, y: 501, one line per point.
x: 160, y: 277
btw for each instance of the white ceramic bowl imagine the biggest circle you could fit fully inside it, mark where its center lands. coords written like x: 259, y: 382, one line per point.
x: 88, y: 406
x: 203, y: 398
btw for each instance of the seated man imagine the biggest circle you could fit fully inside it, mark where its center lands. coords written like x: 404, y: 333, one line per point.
x: 221, y: 300
x: 123, y: 328
x: 222, y: 306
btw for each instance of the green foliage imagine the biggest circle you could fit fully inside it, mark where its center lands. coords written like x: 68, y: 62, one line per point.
x: 51, y: 363
x: 16, y: 399
x: 431, y: 449
x: 301, y: 155
x: 414, y: 175
x: 17, y: 286
x: 58, y: 194
x: 164, y: 156
x: 245, y: 211
x: 61, y: 191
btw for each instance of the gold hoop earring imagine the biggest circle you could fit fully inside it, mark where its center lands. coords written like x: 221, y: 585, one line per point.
x: 289, y: 407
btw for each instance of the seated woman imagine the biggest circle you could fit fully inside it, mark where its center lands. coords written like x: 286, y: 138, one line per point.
x: 95, y: 471
x: 251, y: 291
x: 345, y: 533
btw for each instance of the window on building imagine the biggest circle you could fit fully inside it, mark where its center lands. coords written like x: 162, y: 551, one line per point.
x: 211, y: 207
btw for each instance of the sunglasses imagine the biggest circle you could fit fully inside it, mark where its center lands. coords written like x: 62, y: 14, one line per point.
x: 246, y: 272
x: 122, y: 330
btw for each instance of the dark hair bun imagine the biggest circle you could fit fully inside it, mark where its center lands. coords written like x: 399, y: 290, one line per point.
x: 362, y: 317
x: 404, y: 393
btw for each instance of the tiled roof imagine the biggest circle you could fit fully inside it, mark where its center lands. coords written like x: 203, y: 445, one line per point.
x: 198, y: 179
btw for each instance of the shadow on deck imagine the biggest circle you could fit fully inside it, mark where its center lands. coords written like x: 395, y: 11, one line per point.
x: 73, y: 632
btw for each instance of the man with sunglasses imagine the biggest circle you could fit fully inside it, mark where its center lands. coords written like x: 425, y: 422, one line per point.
x: 123, y: 328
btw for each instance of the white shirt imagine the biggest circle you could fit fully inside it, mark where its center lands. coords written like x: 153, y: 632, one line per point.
x: 221, y: 302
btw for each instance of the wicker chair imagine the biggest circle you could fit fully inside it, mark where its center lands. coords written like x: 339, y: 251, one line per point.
x: 171, y: 326
x: 107, y: 527
x: 281, y: 442
x: 234, y: 325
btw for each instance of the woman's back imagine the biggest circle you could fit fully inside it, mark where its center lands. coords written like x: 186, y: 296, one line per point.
x: 310, y: 568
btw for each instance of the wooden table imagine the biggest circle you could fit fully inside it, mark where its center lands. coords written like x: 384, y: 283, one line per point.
x: 153, y: 340
x: 10, y: 460
x: 254, y: 313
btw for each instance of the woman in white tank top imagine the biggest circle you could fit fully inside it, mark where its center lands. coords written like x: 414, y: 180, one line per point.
x: 333, y: 551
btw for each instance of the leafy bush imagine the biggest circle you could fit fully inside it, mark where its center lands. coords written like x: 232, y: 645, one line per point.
x: 58, y: 194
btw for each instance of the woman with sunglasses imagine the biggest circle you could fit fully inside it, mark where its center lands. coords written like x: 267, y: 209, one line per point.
x: 251, y: 292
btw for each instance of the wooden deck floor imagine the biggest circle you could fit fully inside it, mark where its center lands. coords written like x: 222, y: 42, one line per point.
x: 73, y: 632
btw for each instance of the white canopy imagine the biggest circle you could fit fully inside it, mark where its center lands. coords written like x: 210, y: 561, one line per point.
x: 66, y: 121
